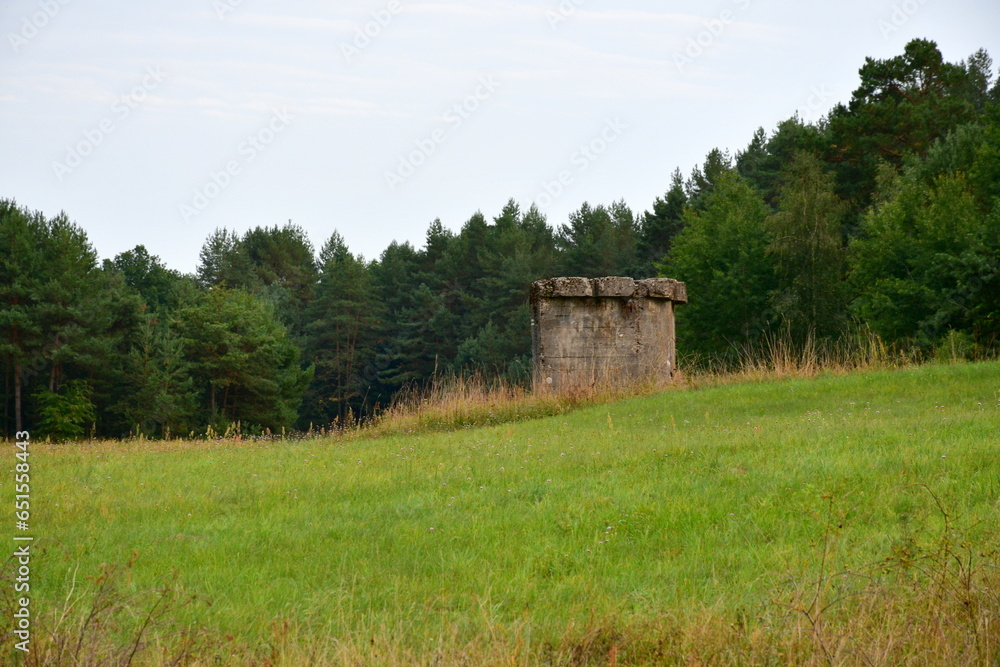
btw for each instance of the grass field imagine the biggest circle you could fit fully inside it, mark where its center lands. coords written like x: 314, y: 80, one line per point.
x: 837, y: 520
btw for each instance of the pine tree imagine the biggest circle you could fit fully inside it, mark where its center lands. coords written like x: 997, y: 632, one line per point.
x: 246, y: 368
x: 902, y: 105
x: 518, y: 249
x: 764, y: 161
x: 658, y: 229
x: 598, y: 241
x: 160, y: 399
x: 223, y: 261
x: 341, y: 337
x: 61, y: 317
x: 703, y: 179
x: 393, y: 276
x: 22, y: 337
x: 284, y: 269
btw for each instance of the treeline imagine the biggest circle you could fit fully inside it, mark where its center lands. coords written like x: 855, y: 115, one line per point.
x: 885, y: 213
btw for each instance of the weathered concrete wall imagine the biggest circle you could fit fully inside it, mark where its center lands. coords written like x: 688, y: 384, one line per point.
x: 589, y: 331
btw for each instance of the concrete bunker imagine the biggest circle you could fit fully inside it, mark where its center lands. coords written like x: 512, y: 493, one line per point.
x: 588, y: 331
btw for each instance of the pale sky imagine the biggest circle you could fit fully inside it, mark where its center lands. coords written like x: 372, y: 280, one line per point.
x: 155, y: 123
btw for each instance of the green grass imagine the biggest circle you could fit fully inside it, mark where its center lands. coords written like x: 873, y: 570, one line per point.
x: 718, y: 502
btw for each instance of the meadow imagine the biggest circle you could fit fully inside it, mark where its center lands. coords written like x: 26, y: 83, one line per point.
x: 837, y: 519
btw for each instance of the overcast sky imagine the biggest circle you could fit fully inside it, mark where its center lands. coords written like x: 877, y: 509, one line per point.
x: 155, y: 123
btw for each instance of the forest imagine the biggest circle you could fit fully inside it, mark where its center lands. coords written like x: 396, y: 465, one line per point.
x: 883, y: 215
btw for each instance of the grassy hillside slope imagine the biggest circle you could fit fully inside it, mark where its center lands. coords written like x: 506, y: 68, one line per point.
x: 696, y: 525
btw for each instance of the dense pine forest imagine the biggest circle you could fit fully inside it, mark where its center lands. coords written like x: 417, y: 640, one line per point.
x: 884, y: 215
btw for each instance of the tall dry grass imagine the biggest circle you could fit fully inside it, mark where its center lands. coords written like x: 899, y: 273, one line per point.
x: 465, y: 401
x: 775, y: 356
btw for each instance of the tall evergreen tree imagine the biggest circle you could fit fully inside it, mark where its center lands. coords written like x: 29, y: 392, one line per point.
x: 393, y: 277
x: 703, y: 179
x: 341, y: 336
x: 902, y: 105
x: 454, y: 281
x: 764, y: 161
x: 224, y: 262
x: 281, y: 259
x: 518, y: 250
x: 245, y: 367
x: 598, y: 241
x: 69, y: 295
x: 22, y: 336
x: 159, y: 396
x: 658, y: 228
x: 61, y: 317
